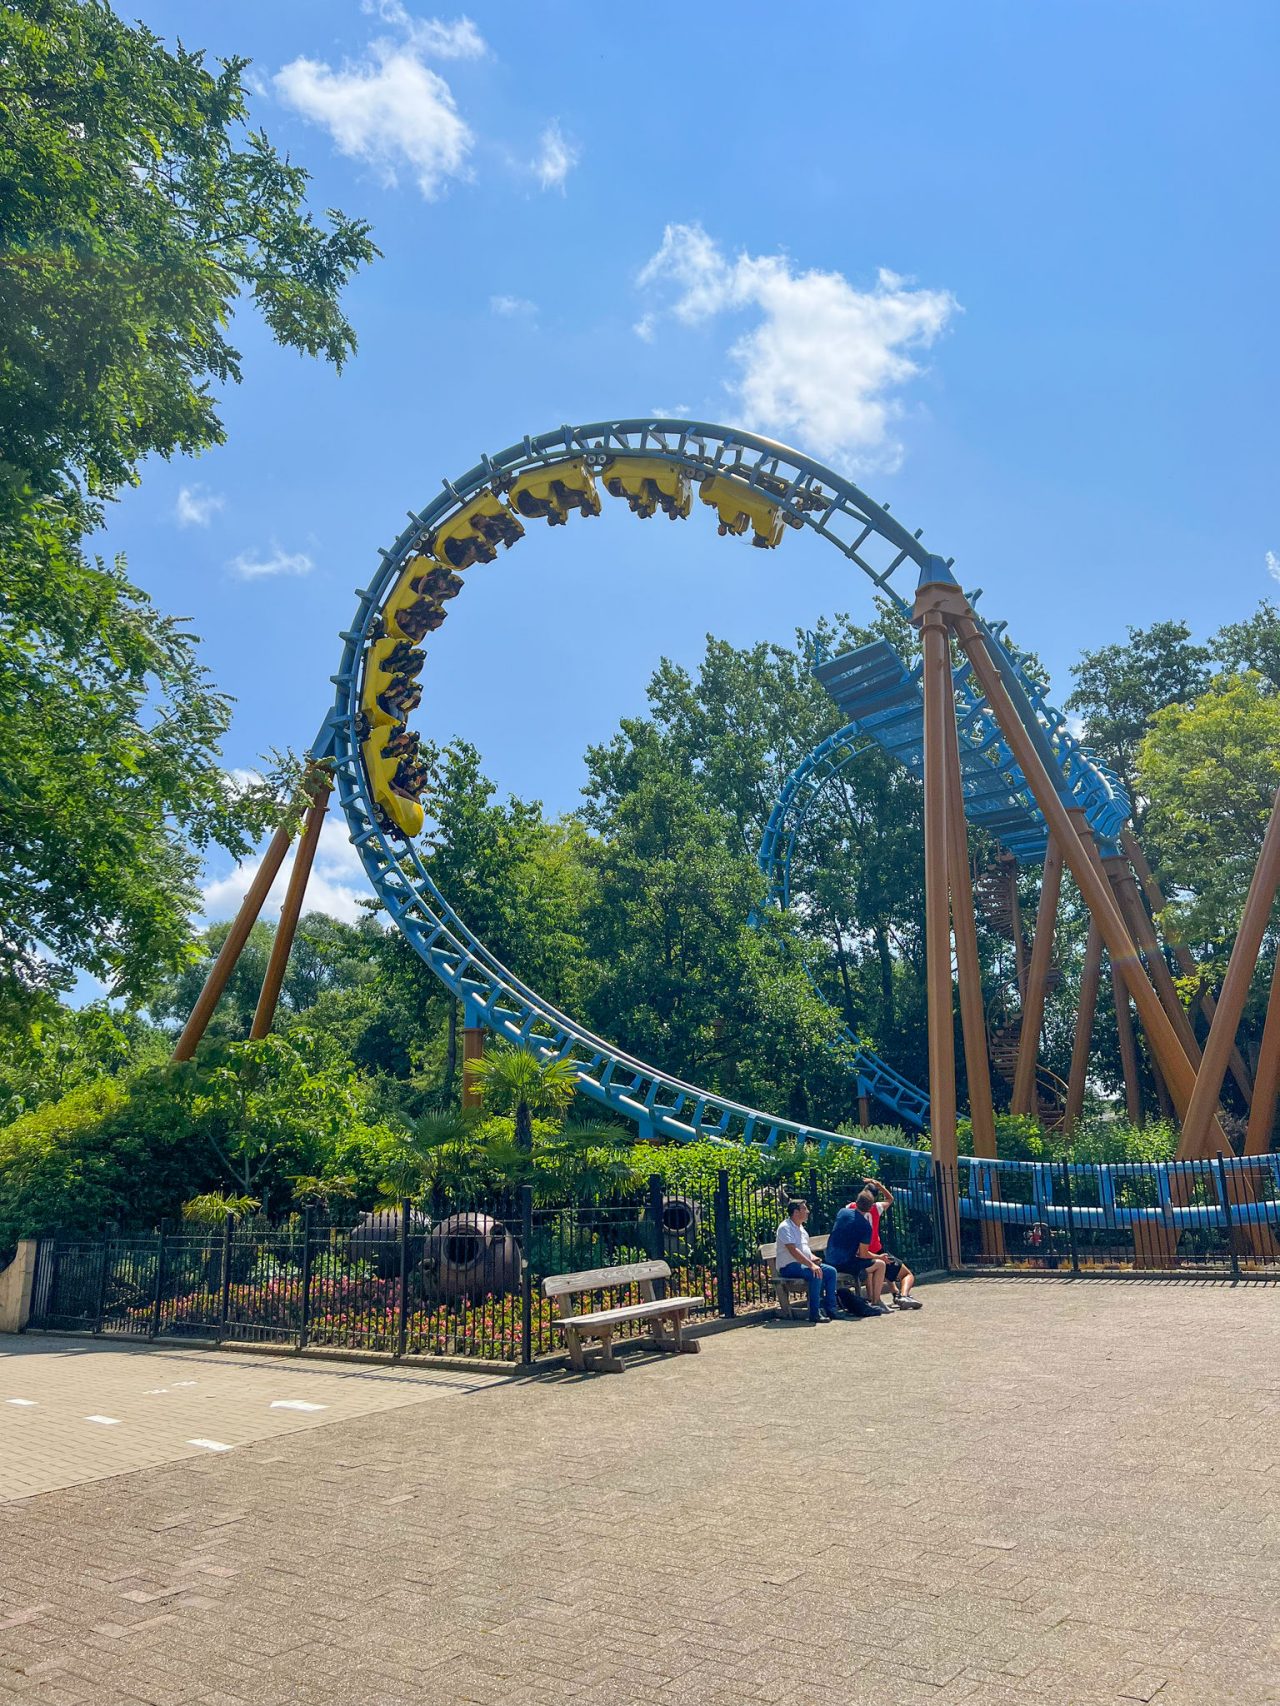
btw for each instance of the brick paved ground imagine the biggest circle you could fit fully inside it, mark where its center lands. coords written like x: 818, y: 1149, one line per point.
x: 1069, y: 1491
x: 75, y: 1410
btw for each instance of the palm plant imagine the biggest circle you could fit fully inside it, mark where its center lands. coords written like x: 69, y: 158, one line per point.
x: 515, y: 1081
x: 437, y: 1151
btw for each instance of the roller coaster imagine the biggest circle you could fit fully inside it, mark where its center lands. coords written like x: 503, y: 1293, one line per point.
x: 753, y: 485
x: 1017, y: 771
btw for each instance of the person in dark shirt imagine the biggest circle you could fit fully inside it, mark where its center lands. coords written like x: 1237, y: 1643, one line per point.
x: 849, y: 1251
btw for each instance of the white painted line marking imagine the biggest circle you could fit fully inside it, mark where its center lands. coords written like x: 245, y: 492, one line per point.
x: 178, y: 1383
x: 210, y: 1444
x: 295, y: 1404
x: 105, y: 1421
x: 26, y: 1403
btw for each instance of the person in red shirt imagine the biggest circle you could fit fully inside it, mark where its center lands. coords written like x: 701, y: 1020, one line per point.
x: 875, y: 1199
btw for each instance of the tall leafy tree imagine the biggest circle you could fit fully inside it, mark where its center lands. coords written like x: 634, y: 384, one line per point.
x: 1120, y: 688
x: 1211, y: 771
x: 137, y: 209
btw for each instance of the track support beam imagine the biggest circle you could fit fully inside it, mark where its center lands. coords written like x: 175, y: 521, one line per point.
x: 1024, y: 1074
x: 290, y: 912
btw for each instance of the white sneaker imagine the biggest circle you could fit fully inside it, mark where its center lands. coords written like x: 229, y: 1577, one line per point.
x: 910, y: 1303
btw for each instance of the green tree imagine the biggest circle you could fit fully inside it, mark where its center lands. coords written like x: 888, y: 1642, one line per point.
x: 1253, y: 644
x: 1211, y: 771
x: 137, y: 208
x: 1120, y: 688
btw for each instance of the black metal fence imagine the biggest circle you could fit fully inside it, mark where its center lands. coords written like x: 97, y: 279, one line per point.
x: 1216, y: 1216
x: 464, y: 1278
x: 457, y: 1279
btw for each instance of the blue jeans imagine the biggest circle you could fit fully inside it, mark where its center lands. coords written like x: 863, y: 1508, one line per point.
x: 820, y: 1286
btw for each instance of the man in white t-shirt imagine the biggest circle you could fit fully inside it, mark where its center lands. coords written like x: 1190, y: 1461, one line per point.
x: 795, y: 1260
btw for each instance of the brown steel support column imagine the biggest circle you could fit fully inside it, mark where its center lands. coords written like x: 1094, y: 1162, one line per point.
x: 1262, y: 1114
x: 290, y: 912
x: 1198, y: 1119
x: 1165, y: 1046
x: 472, y: 1049
x: 973, y: 1023
x: 968, y: 967
x: 1128, y: 1050
x: 1181, y: 953
x: 864, y: 1112
x: 1084, y: 1025
x: 1024, y: 1073
x: 939, y: 705
x: 225, y: 963
x: 1125, y: 888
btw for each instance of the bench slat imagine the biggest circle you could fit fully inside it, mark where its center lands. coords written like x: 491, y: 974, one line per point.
x: 603, y: 1279
x: 632, y: 1312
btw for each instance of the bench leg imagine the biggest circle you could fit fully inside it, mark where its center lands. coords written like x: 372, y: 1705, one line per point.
x: 606, y: 1360
x: 673, y: 1325
x: 573, y: 1344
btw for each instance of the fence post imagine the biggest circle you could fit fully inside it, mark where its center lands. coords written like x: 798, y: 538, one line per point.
x: 656, y: 1240
x: 1071, y: 1216
x: 940, y: 1250
x: 813, y: 1191
x: 526, y: 1274
x: 402, y: 1301
x: 100, y: 1309
x: 159, y: 1290
x: 1229, y: 1219
x: 724, y: 1245
x: 304, y: 1320
x: 224, y: 1282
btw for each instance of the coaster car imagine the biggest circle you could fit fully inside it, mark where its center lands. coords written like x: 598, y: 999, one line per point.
x: 395, y: 811
x: 414, y: 607
x: 474, y: 534
x: 648, y: 486
x: 390, y: 694
x: 739, y: 508
x: 550, y: 493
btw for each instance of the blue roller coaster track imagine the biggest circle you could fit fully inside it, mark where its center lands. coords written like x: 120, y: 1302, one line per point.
x: 803, y: 494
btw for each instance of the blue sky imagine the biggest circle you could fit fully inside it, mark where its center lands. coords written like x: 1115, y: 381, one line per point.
x: 1012, y: 266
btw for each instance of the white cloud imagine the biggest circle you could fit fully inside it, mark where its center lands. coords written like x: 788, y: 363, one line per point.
x: 434, y: 38
x: 645, y: 328
x: 556, y: 158
x: 389, y: 108
x: 336, y: 886
x: 252, y: 565
x: 1273, y: 565
x: 510, y: 307
x: 196, y: 507
x: 824, y: 358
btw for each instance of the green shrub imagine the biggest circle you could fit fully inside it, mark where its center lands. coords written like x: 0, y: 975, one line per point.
x: 102, y: 1155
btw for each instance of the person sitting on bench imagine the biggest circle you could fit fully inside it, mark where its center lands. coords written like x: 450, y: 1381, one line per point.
x: 849, y: 1248
x: 795, y: 1260
x: 896, y: 1273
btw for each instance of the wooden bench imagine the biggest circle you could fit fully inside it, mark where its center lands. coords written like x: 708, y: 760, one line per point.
x: 790, y: 1292
x: 667, y: 1314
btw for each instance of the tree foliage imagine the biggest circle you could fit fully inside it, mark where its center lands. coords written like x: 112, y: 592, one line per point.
x: 137, y: 208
